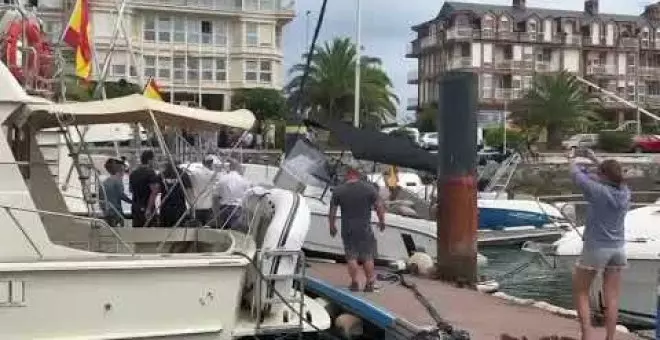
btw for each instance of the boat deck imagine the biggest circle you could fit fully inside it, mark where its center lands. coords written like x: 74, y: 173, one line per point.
x: 513, y: 236
x: 481, y: 315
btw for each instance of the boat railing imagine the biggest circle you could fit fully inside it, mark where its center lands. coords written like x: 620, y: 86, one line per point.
x: 95, y: 223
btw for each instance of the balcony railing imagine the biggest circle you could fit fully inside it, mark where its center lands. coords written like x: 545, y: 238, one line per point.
x: 413, y: 49
x: 573, y: 40
x: 428, y: 41
x: 506, y: 35
x: 601, y: 70
x: 543, y: 66
x: 488, y: 34
x: 413, y: 77
x: 459, y: 63
x: 459, y: 33
x: 412, y: 103
x: 649, y: 71
x: 504, y: 93
x: 629, y: 42
x: 505, y: 64
x: 529, y: 36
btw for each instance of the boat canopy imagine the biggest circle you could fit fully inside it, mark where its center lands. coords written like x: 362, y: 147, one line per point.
x: 137, y: 108
x: 373, y: 145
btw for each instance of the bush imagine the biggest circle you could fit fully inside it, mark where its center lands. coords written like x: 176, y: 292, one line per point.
x: 615, y: 141
x: 495, y: 137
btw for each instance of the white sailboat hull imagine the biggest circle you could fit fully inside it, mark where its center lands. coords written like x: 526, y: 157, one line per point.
x: 640, y: 279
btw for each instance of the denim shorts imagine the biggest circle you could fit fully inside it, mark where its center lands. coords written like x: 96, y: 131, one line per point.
x: 602, y: 258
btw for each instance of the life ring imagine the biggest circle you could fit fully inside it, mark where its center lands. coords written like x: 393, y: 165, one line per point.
x: 40, y: 56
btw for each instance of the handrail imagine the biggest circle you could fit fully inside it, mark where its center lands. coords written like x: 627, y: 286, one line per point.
x: 59, y: 214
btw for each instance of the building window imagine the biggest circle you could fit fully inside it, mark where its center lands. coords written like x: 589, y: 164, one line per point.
x: 207, y: 32
x: 149, y: 29
x: 193, y: 31
x: 220, y: 69
x: 486, y: 85
x: 251, y: 5
x: 251, y: 70
x: 118, y: 70
x: 193, y: 69
x: 133, y: 71
x: 164, y: 70
x: 527, y: 82
x: 466, y: 49
x: 149, y: 66
x: 252, y: 34
x: 488, y: 23
x: 207, y: 69
x: 221, y: 33
x: 164, y: 28
x: 267, y: 5
x: 179, y: 30
x: 179, y: 65
x: 265, y: 71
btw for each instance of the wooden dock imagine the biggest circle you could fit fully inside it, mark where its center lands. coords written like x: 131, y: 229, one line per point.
x: 481, y: 315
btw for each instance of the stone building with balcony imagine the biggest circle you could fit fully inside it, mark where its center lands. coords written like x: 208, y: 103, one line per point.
x: 199, y: 51
x: 507, y: 45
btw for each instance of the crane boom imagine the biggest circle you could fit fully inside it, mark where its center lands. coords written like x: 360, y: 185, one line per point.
x: 617, y: 98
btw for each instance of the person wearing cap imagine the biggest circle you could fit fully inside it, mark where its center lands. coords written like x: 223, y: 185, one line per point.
x: 145, y: 186
x: 356, y: 198
x: 112, y: 193
x: 202, y: 189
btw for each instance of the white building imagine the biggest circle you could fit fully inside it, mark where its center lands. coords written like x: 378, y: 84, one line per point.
x: 198, y: 50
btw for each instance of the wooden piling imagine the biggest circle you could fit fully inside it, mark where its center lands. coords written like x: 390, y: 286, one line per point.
x: 457, y: 189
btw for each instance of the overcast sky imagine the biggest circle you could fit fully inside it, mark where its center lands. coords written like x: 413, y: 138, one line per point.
x: 386, y: 28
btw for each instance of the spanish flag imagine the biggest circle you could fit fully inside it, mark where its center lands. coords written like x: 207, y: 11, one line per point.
x: 152, y: 91
x: 77, y: 36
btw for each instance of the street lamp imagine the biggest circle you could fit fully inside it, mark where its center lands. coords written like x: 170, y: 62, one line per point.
x: 356, y: 113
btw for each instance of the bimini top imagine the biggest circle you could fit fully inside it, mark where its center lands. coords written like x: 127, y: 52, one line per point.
x: 136, y: 108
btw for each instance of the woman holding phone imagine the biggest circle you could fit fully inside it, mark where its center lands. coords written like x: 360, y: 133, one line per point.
x: 603, y: 240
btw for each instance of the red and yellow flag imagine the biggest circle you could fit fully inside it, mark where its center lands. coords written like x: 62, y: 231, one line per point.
x: 152, y: 91
x: 77, y: 36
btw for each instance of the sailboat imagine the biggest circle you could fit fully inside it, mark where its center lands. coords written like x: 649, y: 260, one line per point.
x: 82, y: 279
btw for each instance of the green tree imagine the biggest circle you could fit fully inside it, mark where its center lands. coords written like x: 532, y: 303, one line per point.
x: 426, y: 119
x: 556, y: 102
x: 266, y: 104
x: 331, y: 81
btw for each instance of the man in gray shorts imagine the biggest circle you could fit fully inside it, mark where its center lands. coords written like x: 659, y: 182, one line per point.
x: 356, y: 198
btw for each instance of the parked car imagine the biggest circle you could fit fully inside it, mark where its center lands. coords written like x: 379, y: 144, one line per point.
x: 429, y: 140
x: 582, y: 140
x: 646, y: 143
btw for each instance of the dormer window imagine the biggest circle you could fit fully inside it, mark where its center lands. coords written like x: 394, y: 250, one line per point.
x: 531, y: 26
x: 505, y: 25
x: 488, y: 23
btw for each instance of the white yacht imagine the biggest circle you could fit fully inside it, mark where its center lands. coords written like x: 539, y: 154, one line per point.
x: 640, y: 279
x: 81, y: 280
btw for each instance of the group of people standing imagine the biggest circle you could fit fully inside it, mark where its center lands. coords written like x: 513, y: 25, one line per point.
x: 216, y: 196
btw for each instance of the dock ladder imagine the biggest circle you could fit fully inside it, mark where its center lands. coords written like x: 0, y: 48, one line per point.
x: 502, y: 177
x: 264, y: 305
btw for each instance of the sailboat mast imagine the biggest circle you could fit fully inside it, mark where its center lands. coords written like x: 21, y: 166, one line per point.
x: 358, y: 55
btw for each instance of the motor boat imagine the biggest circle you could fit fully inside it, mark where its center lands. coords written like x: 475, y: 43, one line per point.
x: 640, y: 280
x: 496, y: 210
x: 402, y: 236
x: 93, y: 281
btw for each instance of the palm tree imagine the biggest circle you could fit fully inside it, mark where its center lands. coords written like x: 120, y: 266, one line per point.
x: 556, y: 102
x: 331, y: 82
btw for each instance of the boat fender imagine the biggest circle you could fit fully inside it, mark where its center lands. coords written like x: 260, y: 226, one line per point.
x: 622, y: 329
x: 421, y: 264
x: 329, y: 307
x: 488, y: 287
x: 398, y: 265
x: 349, y: 326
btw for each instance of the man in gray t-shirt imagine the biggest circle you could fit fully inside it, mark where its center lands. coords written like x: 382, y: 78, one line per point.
x: 356, y: 198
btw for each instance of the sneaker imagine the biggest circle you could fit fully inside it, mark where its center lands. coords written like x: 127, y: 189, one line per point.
x: 371, y: 287
x: 354, y: 287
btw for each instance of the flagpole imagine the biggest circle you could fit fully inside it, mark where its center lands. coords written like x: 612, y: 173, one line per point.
x: 113, y: 44
x: 356, y: 112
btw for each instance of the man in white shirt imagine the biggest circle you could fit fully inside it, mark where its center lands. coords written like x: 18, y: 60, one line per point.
x: 202, y: 187
x: 230, y: 190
